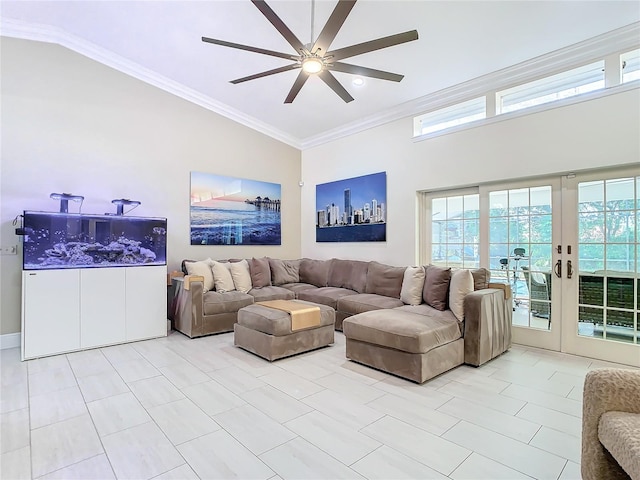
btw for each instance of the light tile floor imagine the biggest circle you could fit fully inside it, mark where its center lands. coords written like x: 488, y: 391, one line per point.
x: 176, y: 408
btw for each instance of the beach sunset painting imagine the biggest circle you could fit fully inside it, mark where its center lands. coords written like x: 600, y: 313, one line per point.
x: 234, y: 211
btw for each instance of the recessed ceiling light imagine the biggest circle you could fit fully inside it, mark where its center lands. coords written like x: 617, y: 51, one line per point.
x: 358, y: 82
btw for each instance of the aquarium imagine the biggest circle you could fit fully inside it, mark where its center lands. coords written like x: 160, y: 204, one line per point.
x: 72, y: 240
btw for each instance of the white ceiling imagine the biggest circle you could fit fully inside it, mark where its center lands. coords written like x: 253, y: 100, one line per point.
x: 459, y: 41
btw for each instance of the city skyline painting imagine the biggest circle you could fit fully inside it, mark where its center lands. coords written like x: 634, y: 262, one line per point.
x: 234, y: 211
x: 352, y: 210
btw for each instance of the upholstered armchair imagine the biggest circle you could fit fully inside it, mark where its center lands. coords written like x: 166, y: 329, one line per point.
x: 611, y: 425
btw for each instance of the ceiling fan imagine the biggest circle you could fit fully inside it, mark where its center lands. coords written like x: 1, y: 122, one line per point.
x: 315, y: 58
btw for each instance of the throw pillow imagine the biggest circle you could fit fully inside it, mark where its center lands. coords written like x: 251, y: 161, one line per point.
x: 461, y: 284
x: 284, y: 271
x: 412, y: 285
x: 260, y: 272
x: 183, y: 265
x: 436, y: 286
x: 222, y: 277
x: 314, y: 272
x: 384, y: 279
x: 241, y: 275
x: 351, y: 274
x: 202, y: 269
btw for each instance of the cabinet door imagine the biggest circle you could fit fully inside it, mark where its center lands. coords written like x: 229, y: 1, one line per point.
x: 50, y: 312
x: 102, y: 306
x: 146, y: 302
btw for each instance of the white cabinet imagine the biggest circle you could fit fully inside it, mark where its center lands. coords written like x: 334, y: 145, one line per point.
x: 146, y: 303
x: 102, y: 306
x: 50, y: 301
x: 68, y: 310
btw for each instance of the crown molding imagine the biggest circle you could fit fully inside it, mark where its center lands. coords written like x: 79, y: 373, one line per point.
x: 49, y: 34
x: 617, y: 41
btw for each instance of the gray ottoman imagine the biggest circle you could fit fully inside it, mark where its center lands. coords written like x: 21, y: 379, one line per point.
x: 412, y: 346
x: 267, y: 332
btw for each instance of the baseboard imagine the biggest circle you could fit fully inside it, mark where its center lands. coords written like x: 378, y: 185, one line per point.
x: 9, y: 340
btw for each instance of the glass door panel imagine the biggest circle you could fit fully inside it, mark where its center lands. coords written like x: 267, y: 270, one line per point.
x: 520, y: 250
x: 607, y: 260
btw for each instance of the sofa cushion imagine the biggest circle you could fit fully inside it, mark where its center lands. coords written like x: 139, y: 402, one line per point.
x: 436, y: 286
x: 241, y: 275
x: 429, y: 311
x: 364, y: 302
x: 351, y: 274
x: 400, y: 330
x: 618, y: 433
x: 412, y: 286
x: 314, y: 272
x: 277, y: 322
x: 481, y: 278
x: 325, y: 295
x: 227, y: 302
x: 298, y: 287
x: 271, y: 292
x: 284, y: 271
x: 384, y: 279
x: 202, y: 269
x: 260, y: 272
x: 222, y: 278
x: 461, y: 284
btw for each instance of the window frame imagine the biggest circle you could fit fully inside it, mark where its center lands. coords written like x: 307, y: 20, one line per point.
x: 635, y: 57
x: 425, y: 227
x: 549, y: 85
x: 613, y: 76
x: 457, y: 114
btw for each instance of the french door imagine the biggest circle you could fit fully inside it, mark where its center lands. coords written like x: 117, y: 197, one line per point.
x: 569, y: 248
x: 523, y: 229
x: 600, y: 307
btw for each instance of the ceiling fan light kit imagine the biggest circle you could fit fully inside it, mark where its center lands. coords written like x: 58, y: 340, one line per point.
x: 316, y: 58
x: 312, y: 64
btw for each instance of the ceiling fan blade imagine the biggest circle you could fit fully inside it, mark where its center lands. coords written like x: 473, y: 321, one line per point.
x: 297, y: 85
x: 267, y: 73
x: 365, y: 72
x: 372, y: 45
x: 335, y: 85
x: 333, y: 25
x: 249, y: 48
x: 279, y: 24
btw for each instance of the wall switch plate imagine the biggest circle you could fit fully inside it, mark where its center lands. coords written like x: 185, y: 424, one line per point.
x: 10, y: 250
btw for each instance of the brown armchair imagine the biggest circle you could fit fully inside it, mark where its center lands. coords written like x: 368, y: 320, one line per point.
x: 611, y: 425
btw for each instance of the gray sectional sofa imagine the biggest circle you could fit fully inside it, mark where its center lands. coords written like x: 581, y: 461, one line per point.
x: 374, y: 296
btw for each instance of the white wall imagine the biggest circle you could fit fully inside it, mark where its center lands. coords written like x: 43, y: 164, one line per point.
x: 70, y: 124
x: 598, y: 133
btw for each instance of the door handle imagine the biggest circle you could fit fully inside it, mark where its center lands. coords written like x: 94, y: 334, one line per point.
x: 558, y: 269
x: 569, y: 269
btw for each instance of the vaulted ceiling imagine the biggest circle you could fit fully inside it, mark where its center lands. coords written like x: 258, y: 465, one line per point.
x: 458, y: 41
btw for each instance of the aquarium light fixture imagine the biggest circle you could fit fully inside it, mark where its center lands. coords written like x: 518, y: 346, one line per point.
x: 121, y: 202
x: 64, y: 200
